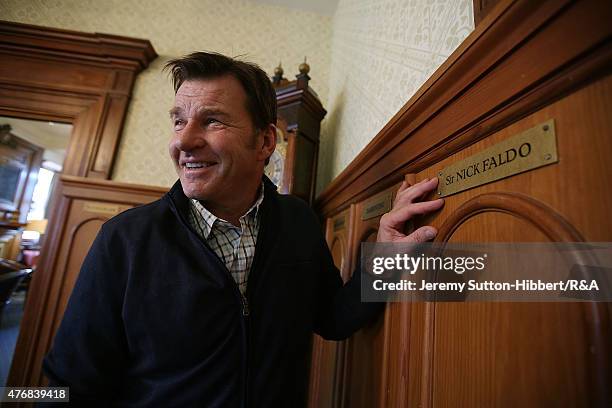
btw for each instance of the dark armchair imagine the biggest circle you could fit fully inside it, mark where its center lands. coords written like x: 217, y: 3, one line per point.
x: 11, y: 274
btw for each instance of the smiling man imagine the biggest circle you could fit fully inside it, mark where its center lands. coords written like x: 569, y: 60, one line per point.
x: 216, y: 146
x: 209, y: 296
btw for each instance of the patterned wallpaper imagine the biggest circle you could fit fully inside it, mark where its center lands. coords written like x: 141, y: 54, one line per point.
x: 381, y: 53
x: 365, y: 62
x: 265, y: 33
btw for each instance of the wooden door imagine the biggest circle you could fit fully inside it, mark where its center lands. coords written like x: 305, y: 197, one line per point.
x: 524, y: 354
x: 327, y: 356
x: 82, y: 206
x: 365, y: 353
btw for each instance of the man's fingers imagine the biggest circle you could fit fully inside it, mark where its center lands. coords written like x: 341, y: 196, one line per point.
x: 422, y: 234
x: 403, y: 187
x: 405, y: 207
x: 411, y: 194
x: 403, y: 214
x: 406, y: 186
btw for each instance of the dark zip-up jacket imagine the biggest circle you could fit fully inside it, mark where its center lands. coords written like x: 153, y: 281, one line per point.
x: 156, y: 320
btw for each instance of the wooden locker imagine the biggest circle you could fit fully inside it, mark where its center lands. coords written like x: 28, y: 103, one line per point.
x: 525, y: 65
x: 526, y: 354
x: 327, y: 356
x: 81, y: 206
x: 365, y: 350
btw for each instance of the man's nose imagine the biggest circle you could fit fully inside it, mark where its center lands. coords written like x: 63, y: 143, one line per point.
x: 189, y: 138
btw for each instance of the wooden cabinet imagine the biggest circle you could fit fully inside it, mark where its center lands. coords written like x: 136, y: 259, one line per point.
x: 545, y: 353
x: 364, y: 352
x: 326, y: 372
x: 82, y: 205
x: 20, y: 161
x: 485, y: 353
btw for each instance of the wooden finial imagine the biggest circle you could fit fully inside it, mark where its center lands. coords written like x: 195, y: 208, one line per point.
x: 278, y: 74
x: 278, y: 71
x: 304, y: 68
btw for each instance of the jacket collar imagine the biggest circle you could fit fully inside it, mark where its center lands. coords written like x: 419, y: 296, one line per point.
x: 268, y: 228
x: 181, y: 202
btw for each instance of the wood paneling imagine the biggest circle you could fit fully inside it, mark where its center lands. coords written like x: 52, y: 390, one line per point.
x: 365, y: 351
x: 327, y: 365
x: 562, y: 202
x: 71, y: 77
x: 490, y: 81
x: 82, y: 206
x: 482, y: 8
x: 83, y: 79
x: 526, y: 63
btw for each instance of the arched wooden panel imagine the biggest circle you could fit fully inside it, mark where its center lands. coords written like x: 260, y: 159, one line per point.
x: 545, y: 353
x: 76, y: 245
x: 82, y: 206
x: 324, y: 378
x: 79, y: 241
x: 365, y: 356
x: 328, y: 356
x: 338, y: 250
x: 397, y: 347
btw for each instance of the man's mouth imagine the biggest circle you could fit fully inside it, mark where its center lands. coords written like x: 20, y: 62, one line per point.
x: 198, y: 165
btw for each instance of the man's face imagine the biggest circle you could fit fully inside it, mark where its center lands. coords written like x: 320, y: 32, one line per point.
x: 215, y: 148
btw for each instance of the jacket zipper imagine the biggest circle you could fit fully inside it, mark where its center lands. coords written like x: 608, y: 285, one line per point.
x: 245, y: 305
x: 246, y: 312
x: 245, y: 302
x: 244, y: 309
x: 245, y: 344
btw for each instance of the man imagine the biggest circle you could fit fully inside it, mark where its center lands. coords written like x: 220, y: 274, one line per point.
x: 209, y: 296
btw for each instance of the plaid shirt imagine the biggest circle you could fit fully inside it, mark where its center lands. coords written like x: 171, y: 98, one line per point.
x: 235, y: 246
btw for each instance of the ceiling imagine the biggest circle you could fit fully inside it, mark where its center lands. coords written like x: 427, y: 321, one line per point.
x: 325, y: 7
x: 51, y: 136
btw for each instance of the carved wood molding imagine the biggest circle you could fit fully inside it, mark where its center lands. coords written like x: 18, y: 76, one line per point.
x: 557, y: 229
x: 482, y: 9
x: 462, y: 103
x: 100, y: 188
x: 71, y: 77
x: 100, y: 49
x: 544, y: 218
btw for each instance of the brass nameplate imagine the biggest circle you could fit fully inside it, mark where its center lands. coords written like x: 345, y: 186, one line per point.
x: 377, y: 206
x: 105, y: 209
x: 339, y: 223
x: 533, y: 148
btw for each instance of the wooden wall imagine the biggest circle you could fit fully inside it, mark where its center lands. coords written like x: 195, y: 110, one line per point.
x: 526, y: 63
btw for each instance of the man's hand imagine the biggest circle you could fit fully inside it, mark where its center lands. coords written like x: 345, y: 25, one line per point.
x: 405, y: 206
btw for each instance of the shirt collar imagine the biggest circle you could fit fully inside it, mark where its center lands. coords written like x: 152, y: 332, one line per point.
x: 210, y: 219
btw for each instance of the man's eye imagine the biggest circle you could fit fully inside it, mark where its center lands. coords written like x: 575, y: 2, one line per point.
x: 211, y: 121
x: 178, y: 122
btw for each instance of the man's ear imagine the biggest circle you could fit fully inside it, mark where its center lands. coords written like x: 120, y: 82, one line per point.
x: 267, y: 143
